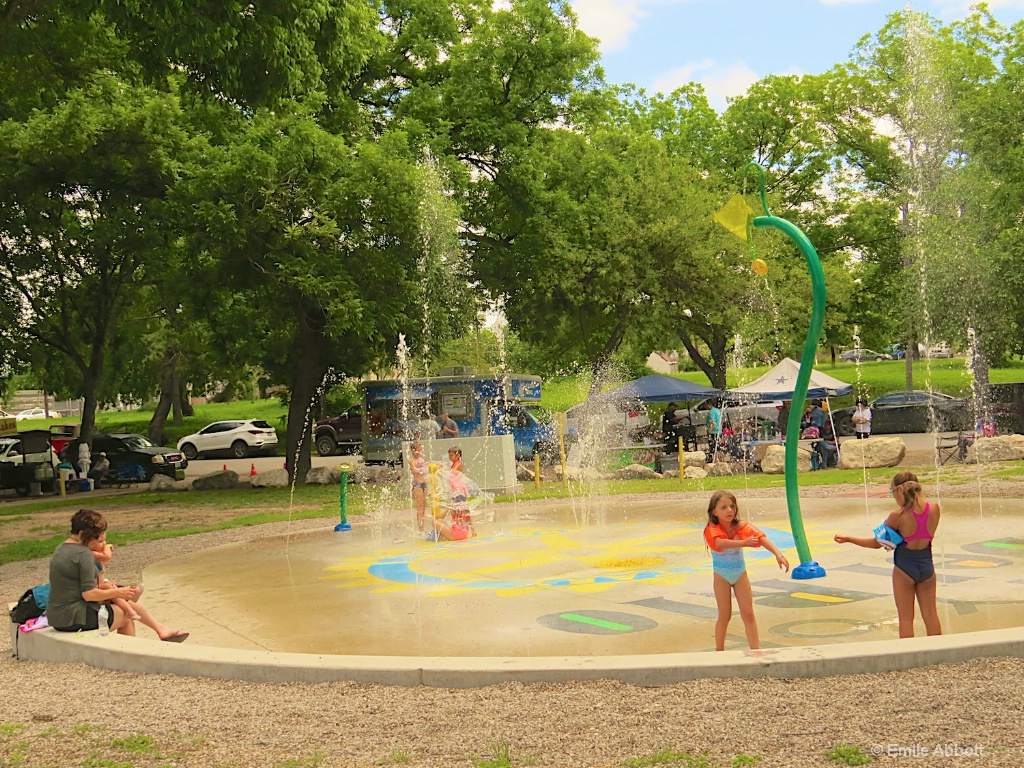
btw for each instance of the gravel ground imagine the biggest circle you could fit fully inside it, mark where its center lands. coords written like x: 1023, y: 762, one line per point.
x: 74, y: 715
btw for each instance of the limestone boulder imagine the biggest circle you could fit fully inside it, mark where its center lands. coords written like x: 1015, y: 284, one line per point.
x: 580, y: 474
x: 670, y: 474
x: 524, y: 473
x: 774, y: 461
x: 375, y: 474
x: 216, y: 481
x: 695, y: 473
x: 274, y: 478
x: 695, y: 459
x: 872, y: 453
x: 322, y: 476
x: 1000, y: 448
x: 165, y: 483
x: 636, y: 472
x: 719, y: 469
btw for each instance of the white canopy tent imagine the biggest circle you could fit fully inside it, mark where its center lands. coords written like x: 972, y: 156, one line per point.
x: 780, y: 381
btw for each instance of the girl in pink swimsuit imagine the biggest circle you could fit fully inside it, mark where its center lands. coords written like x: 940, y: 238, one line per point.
x: 913, y: 577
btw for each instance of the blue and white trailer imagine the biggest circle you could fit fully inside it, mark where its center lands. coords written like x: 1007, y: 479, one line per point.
x: 481, y: 405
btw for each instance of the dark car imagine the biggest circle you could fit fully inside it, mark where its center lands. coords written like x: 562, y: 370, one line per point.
x: 855, y: 355
x: 910, y: 411
x: 342, y: 433
x: 123, y: 447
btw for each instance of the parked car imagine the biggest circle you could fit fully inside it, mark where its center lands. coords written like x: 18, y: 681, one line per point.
x: 857, y: 355
x: 37, y: 413
x: 896, y: 351
x: 942, y: 349
x: 237, y: 438
x: 910, y: 411
x: 340, y: 434
x: 6, y: 415
x: 124, y: 447
x: 733, y: 412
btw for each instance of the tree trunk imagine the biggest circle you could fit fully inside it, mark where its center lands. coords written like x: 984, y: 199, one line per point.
x: 310, y: 367
x: 168, y: 394
x: 89, y: 403
x: 718, y: 348
x: 185, y: 399
x: 175, y: 392
x: 599, y: 367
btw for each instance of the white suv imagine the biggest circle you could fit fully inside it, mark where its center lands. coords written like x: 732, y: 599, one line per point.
x: 235, y: 438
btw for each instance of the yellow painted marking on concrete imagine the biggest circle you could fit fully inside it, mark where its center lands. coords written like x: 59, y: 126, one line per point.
x: 976, y: 563
x: 820, y: 598
x: 629, y: 562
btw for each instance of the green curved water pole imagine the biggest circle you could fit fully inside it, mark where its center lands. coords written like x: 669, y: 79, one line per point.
x: 808, y: 569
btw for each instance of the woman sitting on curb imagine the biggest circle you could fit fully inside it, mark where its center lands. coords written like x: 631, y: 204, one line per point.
x: 75, y: 595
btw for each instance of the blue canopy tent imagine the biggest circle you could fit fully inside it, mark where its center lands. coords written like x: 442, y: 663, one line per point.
x: 657, y: 388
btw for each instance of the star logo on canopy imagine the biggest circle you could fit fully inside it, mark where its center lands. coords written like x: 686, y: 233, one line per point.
x: 782, y: 379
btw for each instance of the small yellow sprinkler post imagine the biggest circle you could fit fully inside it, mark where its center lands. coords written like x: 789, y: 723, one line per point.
x: 682, y: 461
x: 434, y: 492
x: 536, y: 469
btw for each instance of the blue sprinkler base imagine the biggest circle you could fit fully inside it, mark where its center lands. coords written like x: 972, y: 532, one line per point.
x: 343, y: 527
x: 809, y: 570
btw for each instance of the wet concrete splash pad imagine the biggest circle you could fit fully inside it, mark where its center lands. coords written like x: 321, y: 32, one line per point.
x: 610, y: 577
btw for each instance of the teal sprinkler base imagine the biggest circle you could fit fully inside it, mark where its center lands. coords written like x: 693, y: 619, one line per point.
x: 344, y: 525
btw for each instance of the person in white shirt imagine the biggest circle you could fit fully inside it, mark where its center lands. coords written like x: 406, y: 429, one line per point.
x: 862, y: 420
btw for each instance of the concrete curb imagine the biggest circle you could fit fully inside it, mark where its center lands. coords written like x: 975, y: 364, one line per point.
x: 152, y: 657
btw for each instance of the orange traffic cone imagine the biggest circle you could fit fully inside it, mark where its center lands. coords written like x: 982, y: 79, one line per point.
x: 252, y: 470
x: 225, y: 468
x: 284, y: 465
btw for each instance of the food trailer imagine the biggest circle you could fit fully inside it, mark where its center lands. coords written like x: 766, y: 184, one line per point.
x: 27, y: 460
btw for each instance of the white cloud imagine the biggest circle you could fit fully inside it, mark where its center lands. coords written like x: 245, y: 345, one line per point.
x: 719, y: 82
x: 610, y: 21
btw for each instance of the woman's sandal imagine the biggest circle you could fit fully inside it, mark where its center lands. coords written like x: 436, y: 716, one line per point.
x: 179, y: 636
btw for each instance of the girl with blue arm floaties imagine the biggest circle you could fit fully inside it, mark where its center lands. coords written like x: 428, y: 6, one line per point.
x: 909, y: 532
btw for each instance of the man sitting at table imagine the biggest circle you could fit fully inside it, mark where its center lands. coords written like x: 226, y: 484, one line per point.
x: 827, y: 448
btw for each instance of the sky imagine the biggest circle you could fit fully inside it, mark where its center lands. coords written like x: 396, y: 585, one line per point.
x: 727, y: 45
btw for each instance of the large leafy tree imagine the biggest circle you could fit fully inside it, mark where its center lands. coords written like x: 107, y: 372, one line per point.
x: 923, y: 83
x: 81, y: 213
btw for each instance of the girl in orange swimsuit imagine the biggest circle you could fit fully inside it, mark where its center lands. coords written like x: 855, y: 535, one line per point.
x: 913, y: 577
x: 726, y: 535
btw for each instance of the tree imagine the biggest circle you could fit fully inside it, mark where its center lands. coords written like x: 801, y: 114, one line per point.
x: 81, y: 212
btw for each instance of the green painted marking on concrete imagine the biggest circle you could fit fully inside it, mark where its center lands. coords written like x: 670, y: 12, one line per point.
x: 1003, y: 545
x: 595, y: 622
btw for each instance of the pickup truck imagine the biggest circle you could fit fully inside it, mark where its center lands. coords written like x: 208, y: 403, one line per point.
x: 340, y: 434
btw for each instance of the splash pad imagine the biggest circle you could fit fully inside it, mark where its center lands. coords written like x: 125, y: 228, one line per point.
x: 541, y: 582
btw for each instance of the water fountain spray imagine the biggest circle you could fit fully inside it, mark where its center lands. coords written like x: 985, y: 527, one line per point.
x: 738, y: 218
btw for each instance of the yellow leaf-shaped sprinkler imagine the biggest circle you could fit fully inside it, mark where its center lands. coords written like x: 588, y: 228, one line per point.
x: 760, y: 267
x: 734, y: 216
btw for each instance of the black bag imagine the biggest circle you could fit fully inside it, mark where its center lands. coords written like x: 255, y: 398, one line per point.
x: 31, y: 605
